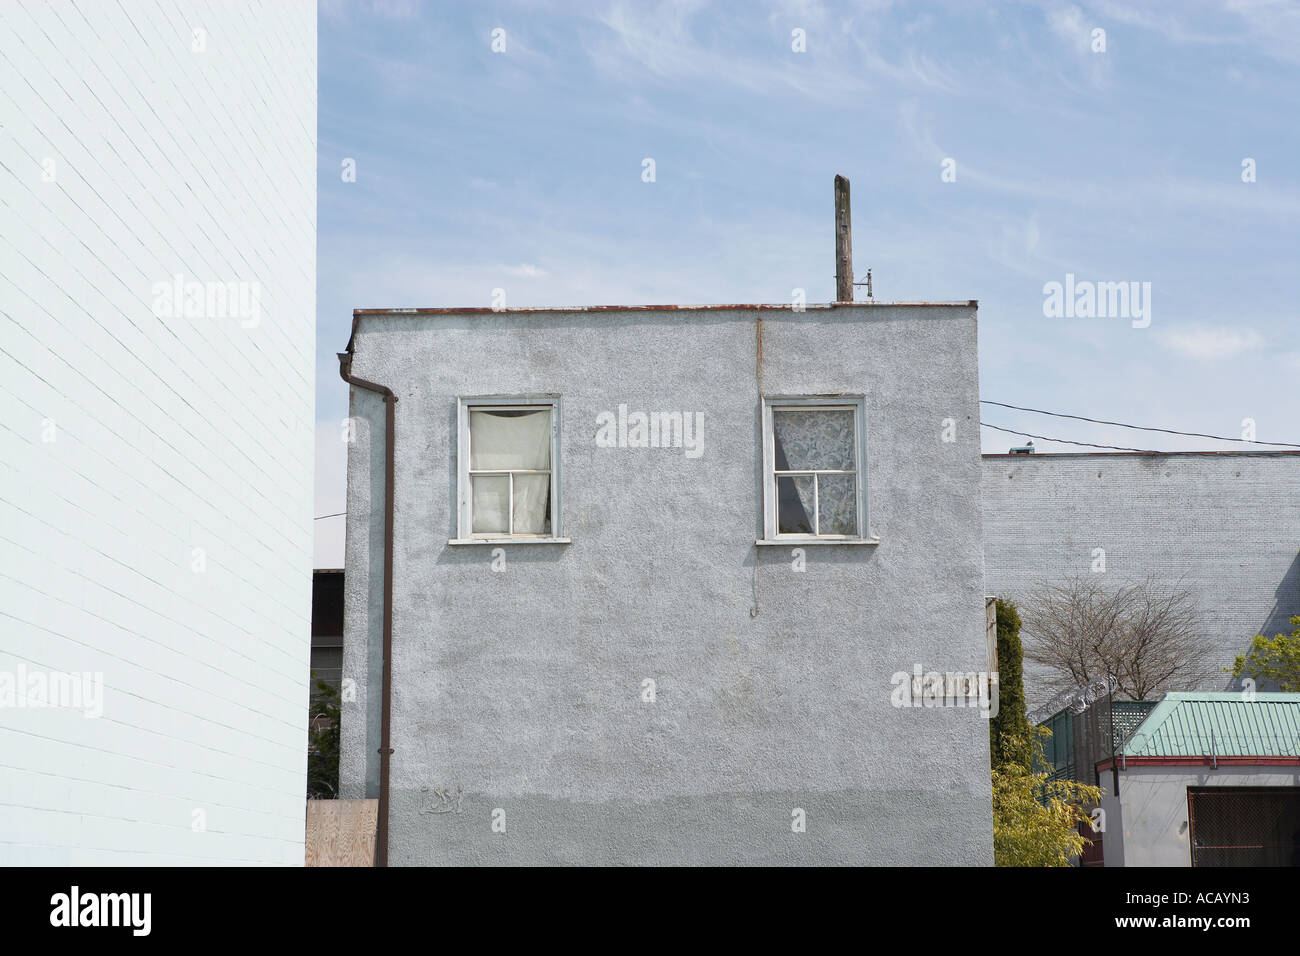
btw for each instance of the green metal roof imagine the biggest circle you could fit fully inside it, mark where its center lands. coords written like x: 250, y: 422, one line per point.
x: 1225, y: 723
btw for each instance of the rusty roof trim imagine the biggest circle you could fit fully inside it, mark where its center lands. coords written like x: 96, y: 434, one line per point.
x: 1241, y: 453
x: 774, y: 306
x: 358, y: 314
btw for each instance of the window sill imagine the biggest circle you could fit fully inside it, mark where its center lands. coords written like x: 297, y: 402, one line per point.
x: 796, y: 541
x: 510, y: 541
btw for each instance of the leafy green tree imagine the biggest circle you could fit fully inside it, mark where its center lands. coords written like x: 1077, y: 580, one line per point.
x: 1036, y: 821
x: 323, y: 742
x: 1011, y: 723
x: 1272, y: 658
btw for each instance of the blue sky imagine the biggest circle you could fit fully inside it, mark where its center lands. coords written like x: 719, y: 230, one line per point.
x: 522, y: 170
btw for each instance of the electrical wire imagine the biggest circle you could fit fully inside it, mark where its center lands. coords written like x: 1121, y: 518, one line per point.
x: 1144, y: 428
x: 1066, y: 441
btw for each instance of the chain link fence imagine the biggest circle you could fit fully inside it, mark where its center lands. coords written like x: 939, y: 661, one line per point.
x: 1244, y: 826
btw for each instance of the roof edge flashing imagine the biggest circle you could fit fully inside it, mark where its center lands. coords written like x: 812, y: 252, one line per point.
x: 766, y: 306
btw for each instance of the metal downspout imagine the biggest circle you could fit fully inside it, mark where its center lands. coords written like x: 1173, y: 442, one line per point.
x: 386, y: 705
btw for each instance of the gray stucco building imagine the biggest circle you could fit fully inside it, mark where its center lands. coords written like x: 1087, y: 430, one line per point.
x: 1224, y: 525
x: 656, y: 573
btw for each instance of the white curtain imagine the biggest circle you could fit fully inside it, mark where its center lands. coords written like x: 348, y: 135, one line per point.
x: 505, y: 441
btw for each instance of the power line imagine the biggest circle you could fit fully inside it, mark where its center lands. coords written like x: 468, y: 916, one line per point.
x: 334, y: 515
x: 1066, y: 441
x: 1144, y: 428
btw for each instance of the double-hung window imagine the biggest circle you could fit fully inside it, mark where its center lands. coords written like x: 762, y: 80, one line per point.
x: 814, y: 474
x: 508, y: 453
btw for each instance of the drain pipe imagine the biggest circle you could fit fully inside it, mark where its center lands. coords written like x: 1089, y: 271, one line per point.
x: 386, y: 706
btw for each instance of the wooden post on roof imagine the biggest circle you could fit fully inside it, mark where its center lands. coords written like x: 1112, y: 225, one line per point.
x: 843, y: 243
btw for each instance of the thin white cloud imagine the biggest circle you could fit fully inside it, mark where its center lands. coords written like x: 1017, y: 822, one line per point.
x: 1270, y: 27
x: 1227, y: 197
x: 843, y: 57
x: 1209, y: 342
x: 1075, y: 28
x: 1066, y: 21
x: 381, y: 9
x: 524, y: 270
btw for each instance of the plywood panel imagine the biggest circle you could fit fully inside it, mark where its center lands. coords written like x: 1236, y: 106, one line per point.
x: 341, y: 832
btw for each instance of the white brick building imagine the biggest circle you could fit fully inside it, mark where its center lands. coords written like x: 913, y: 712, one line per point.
x: 156, y: 448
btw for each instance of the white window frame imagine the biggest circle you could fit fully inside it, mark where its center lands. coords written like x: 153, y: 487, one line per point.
x: 465, y: 492
x: 853, y: 403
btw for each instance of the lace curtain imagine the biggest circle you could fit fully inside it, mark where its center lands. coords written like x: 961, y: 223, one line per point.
x: 509, y: 440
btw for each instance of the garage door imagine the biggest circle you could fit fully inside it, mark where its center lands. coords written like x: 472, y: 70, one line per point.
x: 1244, y: 826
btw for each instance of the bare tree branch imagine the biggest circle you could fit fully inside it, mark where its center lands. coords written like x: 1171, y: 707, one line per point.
x: 1139, y: 638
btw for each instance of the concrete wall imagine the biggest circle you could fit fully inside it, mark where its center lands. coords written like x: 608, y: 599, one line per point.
x: 156, y: 469
x: 520, y: 691
x: 1147, y: 825
x: 1227, y: 526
